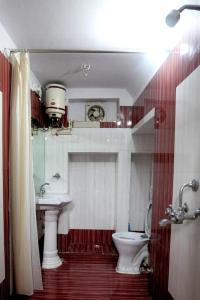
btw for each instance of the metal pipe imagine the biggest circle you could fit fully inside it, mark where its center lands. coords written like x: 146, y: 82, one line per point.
x: 49, y: 51
x: 174, y: 16
x: 194, y: 185
x: 165, y: 222
x: 194, y: 216
x: 180, y: 219
x: 189, y: 6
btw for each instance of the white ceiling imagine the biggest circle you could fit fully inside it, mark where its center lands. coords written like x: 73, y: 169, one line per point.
x: 93, y: 25
x: 107, y: 70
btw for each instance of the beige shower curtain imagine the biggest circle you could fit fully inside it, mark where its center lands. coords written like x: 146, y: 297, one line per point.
x: 27, y: 271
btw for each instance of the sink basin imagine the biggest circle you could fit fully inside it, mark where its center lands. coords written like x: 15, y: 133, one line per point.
x: 52, y: 201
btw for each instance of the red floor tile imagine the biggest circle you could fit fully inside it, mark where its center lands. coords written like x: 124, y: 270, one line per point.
x: 91, y: 277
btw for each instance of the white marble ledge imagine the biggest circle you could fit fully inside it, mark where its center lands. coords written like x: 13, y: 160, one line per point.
x: 101, y: 140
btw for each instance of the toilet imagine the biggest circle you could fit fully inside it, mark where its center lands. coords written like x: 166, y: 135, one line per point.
x: 132, y: 247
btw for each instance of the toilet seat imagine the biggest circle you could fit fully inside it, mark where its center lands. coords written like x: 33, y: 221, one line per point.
x: 138, y: 236
x: 130, y: 236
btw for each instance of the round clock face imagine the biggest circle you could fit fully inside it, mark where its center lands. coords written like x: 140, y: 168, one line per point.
x: 96, y: 113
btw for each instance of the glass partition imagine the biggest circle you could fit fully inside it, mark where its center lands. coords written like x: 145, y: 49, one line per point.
x: 38, y: 142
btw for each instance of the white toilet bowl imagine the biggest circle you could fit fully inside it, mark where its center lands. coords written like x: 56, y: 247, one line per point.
x: 132, y: 247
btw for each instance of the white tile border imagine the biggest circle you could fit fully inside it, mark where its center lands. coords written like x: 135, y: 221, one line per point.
x: 146, y: 124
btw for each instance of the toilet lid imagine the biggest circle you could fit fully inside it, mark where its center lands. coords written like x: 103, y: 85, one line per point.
x: 147, y: 222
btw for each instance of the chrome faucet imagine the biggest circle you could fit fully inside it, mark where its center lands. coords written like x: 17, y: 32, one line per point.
x: 179, y: 215
x: 42, y: 189
x: 179, y: 218
x: 194, y: 185
x: 165, y: 222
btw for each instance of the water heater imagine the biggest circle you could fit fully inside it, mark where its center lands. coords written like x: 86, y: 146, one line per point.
x: 55, y: 100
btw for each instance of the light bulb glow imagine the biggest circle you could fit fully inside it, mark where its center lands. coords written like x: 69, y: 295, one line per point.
x: 129, y: 123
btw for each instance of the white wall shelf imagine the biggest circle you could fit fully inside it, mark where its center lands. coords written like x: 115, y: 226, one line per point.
x: 146, y: 124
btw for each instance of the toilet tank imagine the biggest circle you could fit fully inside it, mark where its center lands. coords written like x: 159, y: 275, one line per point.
x: 55, y: 100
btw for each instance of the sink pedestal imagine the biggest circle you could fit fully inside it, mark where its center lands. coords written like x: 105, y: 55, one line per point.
x: 50, y: 255
x: 52, y: 204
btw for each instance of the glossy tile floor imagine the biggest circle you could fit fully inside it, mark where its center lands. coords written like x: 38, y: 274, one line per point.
x: 91, y: 277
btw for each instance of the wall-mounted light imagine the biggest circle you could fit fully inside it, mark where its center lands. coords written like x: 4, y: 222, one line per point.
x: 174, y: 16
x: 119, y: 122
x: 129, y: 123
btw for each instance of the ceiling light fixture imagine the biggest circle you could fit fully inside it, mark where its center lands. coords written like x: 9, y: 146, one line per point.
x: 174, y: 16
x: 85, y: 68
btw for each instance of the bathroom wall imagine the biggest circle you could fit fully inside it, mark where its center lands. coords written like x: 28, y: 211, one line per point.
x: 77, y: 108
x: 184, y: 267
x: 125, y: 99
x: 121, y: 97
x: 7, y: 43
x: 161, y: 94
x: 94, y: 165
x: 95, y: 169
x: 5, y: 40
x: 141, y: 181
x: 92, y: 186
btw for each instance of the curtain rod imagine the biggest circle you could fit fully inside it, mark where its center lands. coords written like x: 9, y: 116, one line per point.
x: 75, y: 51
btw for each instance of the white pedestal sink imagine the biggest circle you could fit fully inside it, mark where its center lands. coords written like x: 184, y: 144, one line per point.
x: 52, y: 204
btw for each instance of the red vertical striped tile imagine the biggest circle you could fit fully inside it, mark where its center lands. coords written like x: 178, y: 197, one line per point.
x: 87, y: 241
x: 126, y: 116
x: 64, y: 117
x: 108, y: 125
x: 137, y: 114
x: 161, y: 94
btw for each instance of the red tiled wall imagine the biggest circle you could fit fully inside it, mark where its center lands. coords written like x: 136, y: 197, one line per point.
x: 137, y: 114
x: 108, y: 125
x: 38, y: 110
x: 88, y: 241
x: 161, y: 94
x: 64, y: 117
x: 35, y: 106
x: 126, y: 118
x: 5, y: 72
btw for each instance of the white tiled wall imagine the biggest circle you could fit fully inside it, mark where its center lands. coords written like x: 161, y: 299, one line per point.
x: 95, y: 169
x: 92, y: 185
x: 184, y: 269
x: 125, y: 99
x: 123, y: 190
x: 141, y: 172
